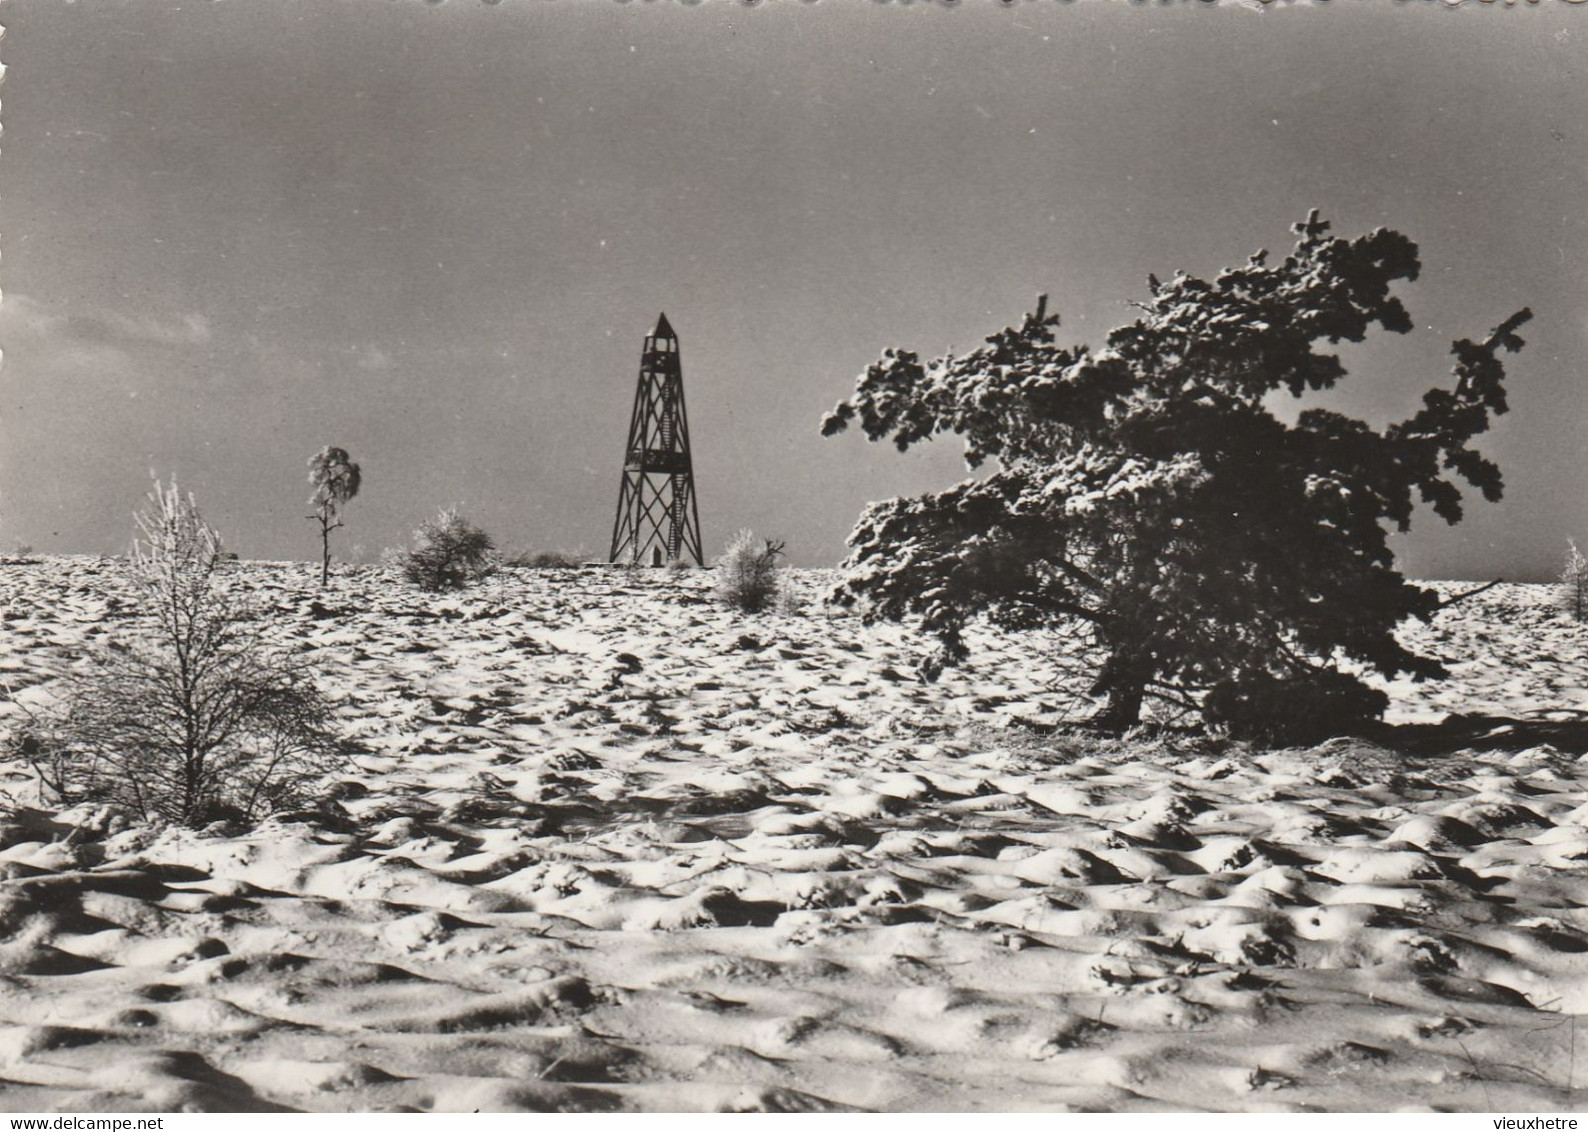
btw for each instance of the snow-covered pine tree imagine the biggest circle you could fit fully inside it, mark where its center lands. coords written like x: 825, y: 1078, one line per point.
x: 1147, y: 496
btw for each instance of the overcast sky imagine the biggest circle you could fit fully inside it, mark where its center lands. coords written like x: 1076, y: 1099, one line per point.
x: 436, y: 234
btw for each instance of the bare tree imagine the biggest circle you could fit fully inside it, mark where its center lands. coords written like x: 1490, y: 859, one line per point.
x: 196, y: 716
x: 336, y: 480
x: 1574, y: 583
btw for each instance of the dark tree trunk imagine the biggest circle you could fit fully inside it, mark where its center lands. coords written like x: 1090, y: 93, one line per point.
x: 325, y: 554
x: 1124, y: 679
x: 1123, y: 710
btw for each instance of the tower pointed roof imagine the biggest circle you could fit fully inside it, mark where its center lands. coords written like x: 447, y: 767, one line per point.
x: 664, y: 329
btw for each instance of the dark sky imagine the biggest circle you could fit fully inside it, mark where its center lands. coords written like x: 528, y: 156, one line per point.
x: 435, y: 234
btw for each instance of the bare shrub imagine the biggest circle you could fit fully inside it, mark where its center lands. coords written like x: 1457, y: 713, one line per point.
x: 541, y: 560
x: 451, y: 553
x: 195, y: 716
x: 1574, y: 584
x: 748, y: 574
x: 788, y: 603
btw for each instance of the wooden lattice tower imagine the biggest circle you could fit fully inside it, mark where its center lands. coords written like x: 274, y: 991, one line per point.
x: 658, y: 520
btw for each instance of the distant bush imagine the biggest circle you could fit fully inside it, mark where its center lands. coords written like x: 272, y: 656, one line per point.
x: 1574, y: 584
x: 541, y: 560
x: 747, y: 573
x: 789, y: 602
x: 196, y: 717
x: 450, y: 553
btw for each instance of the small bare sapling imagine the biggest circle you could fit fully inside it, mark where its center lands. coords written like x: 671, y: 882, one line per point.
x: 1574, y: 584
x: 194, y: 715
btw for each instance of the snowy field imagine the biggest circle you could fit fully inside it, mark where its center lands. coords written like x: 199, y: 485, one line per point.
x: 610, y: 846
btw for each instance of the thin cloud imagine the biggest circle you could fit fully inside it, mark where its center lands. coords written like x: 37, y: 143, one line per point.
x: 372, y: 359
x: 22, y: 315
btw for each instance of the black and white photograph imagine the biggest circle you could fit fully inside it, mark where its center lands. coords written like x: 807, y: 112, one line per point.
x: 827, y: 556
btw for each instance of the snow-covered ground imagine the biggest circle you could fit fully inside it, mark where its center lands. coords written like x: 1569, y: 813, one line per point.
x: 613, y: 847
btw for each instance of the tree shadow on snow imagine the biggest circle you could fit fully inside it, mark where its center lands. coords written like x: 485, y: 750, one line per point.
x: 1564, y: 730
